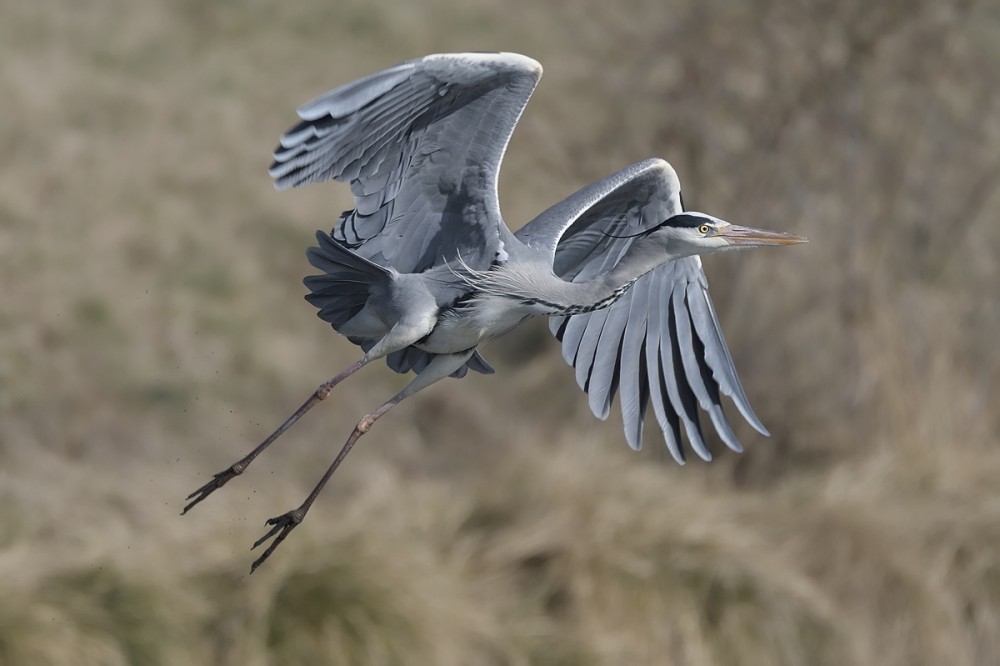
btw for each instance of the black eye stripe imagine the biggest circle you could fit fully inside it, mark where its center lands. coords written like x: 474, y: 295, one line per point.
x: 685, y: 220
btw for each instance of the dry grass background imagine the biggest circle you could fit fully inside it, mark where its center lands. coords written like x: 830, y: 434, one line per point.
x: 153, y: 329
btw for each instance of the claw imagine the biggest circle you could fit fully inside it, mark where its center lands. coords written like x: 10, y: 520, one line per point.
x: 283, y: 525
x: 218, y: 480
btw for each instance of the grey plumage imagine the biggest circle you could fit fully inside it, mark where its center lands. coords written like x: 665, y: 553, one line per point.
x: 608, y: 216
x: 423, y: 270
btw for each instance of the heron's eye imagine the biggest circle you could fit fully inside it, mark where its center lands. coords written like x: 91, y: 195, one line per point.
x: 703, y: 229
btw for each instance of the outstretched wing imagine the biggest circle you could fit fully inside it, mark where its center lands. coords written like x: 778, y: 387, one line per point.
x: 661, y: 342
x: 421, y: 145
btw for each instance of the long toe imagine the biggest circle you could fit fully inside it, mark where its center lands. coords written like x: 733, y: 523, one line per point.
x: 218, y: 480
x: 281, y: 526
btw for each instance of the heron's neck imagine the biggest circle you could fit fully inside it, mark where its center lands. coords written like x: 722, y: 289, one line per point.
x: 644, y: 256
x: 568, y: 298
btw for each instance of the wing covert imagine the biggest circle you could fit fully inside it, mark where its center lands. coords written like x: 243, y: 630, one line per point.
x: 421, y: 145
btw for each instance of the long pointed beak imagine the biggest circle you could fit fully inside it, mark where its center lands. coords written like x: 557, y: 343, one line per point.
x: 750, y: 237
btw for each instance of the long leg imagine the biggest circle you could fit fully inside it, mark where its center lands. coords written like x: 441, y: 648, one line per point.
x: 412, y: 325
x: 439, y: 368
x: 225, y: 476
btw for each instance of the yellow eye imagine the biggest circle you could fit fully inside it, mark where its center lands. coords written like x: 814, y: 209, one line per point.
x: 703, y: 229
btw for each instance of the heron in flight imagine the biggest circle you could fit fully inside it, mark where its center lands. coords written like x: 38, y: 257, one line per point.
x: 423, y: 270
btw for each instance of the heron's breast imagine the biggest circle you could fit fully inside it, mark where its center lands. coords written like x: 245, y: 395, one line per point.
x: 480, y: 319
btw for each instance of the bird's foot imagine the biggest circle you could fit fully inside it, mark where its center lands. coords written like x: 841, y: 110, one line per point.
x: 218, y: 480
x: 283, y: 524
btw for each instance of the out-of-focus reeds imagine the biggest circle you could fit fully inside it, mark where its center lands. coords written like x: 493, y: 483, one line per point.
x: 153, y: 330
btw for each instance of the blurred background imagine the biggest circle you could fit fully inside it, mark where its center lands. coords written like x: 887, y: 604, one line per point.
x: 153, y: 330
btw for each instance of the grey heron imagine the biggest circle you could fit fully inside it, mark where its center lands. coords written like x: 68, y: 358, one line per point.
x: 423, y: 270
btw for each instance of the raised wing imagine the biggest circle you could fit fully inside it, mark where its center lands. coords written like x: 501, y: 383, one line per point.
x: 661, y: 342
x: 421, y: 145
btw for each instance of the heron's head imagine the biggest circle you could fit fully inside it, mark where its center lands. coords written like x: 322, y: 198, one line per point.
x: 692, y: 233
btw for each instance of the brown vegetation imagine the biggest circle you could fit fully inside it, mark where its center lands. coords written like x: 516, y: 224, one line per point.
x: 153, y: 329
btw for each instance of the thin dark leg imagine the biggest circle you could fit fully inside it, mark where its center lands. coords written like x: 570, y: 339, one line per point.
x: 238, y: 467
x: 439, y: 368
x: 285, y: 523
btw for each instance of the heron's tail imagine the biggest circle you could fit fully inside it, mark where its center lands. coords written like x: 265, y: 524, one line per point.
x: 348, y: 280
x: 346, y: 285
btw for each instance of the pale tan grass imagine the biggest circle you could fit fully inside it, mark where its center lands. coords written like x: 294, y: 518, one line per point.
x: 152, y: 330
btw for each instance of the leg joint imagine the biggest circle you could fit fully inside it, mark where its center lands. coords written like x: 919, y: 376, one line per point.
x: 364, y: 424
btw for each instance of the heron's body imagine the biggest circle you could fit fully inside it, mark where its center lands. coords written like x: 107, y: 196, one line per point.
x: 490, y: 306
x: 423, y: 271
x: 479, y: 319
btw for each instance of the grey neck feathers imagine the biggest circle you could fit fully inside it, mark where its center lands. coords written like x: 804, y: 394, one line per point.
x: 556, y: 296
x: 644, y: 256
